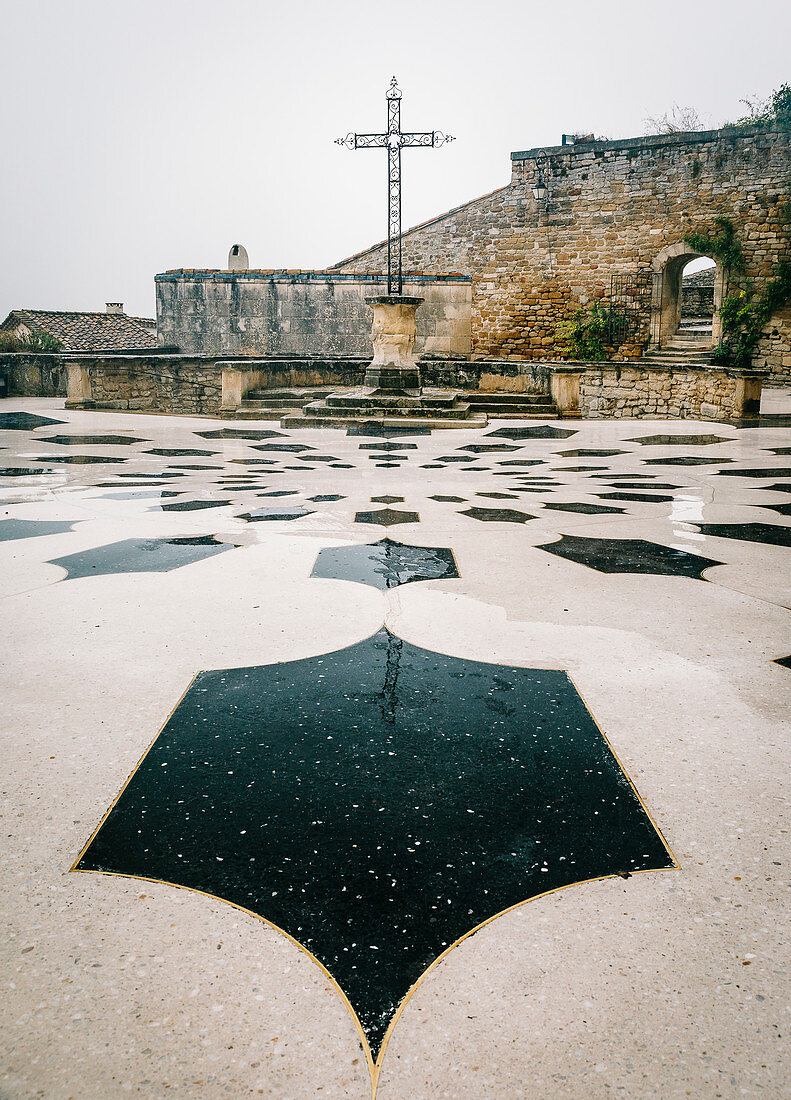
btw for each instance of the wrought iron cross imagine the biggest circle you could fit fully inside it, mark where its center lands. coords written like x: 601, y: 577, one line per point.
x: 394, y: 141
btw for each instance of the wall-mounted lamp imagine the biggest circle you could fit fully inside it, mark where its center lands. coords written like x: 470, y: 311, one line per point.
x: 540, y: 189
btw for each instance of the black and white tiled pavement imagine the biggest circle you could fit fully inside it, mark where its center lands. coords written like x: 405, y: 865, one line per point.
x: 318, y: 706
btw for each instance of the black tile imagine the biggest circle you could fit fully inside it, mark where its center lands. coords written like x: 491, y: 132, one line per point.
x: 239, y: 433
x: 587, y: 509
x: 193, y: 505
x: 621, y: 475
x: 192, y: 466
x: 254, y: 461
x: 454, y: 458
x: 377, y: 804
x: 280, y: 493
x: 388, y: 445
x: 681, y: 441
x: 318, y: 458
x: 686, y: 460
x: 140, y: 556
x: 387, y: 500
x: 11, y: 529
x: 579, y: 469
x: 160, y: 475
x: 372, y: 429
x: 782, y: 509
x: 497, y: 515
x: 79, y: 460
x: 481, y: 448
x: 260, y: 515
x: 388, y: 465
x: 296, y: 448
x: 776, y: 472
x: 331, y: 496
x: 647, y: 498
x: 773, y: 534
x: 784, y: 661
x: 453, y: 500
x: 385, y: 564
x: 498, y: 496
x: 387, y: 517
x: 618, y: 484
x: 541, y: 431
x: 24, y: 422
x: 521, y: 462
x: 629, y: 556
x: 23, y: 471
x: 90, y: 440
x: 591, y: 452
x: 180, y: 452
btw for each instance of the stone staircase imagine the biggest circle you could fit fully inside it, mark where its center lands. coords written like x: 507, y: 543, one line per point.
x: 515, y: 406
x: 690, y: 346
x: 309, y: 407
x: 432, y: 408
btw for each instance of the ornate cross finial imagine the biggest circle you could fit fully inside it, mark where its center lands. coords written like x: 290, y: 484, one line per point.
x: 394, y: 141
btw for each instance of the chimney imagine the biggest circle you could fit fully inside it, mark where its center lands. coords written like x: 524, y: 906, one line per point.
x: 114, y: 307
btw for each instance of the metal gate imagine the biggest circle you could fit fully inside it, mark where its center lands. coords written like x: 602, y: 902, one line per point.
x: 635, y: 308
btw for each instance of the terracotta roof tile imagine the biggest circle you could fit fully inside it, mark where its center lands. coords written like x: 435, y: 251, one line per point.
x: 88, y: 331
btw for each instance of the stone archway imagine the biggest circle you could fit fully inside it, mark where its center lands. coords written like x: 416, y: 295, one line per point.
x: 666, y: 308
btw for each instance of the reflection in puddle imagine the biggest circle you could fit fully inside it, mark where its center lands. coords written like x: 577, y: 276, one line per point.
x: 385, y: 564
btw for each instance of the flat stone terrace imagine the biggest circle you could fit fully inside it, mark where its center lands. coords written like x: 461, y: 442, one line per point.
x: 539, y: 670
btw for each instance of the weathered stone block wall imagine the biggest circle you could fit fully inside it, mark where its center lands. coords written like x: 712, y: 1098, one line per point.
x: 633, y: 392
x: 774, y: 350
x: 151, y: 382
x: 697, y: 301
x: 33, y: 375
x: 300, y: 313
x: 613, y: 207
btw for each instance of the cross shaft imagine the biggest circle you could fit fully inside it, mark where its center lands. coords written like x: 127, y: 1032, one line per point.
x: 394, y: 140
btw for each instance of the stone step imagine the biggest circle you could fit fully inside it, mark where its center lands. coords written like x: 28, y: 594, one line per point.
x: 294, y: 398
x: 364, y: 410
x: 395, y: 401
x: 519, y: 412
x: 299, y: 420
x: 505, y: 397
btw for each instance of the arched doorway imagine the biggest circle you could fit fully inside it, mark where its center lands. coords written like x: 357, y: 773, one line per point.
x: 667, y: 307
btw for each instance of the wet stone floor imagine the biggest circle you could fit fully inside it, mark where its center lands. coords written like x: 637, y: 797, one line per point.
x: 430, y: 763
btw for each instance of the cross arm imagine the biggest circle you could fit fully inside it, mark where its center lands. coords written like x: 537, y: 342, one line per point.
x: 434, y: 138
x: 362, y: 141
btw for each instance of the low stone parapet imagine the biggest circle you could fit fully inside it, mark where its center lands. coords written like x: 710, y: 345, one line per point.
x: 631, y: 391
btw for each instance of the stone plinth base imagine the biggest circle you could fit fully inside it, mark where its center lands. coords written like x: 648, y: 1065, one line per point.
x: 394, y: 368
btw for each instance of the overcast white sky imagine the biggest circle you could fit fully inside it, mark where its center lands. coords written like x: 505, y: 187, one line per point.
x: 154, y: 134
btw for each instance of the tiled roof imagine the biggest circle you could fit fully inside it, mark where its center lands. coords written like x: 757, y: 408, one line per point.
x: 88, y: 331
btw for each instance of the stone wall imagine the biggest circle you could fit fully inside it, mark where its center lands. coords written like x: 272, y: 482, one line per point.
x: 613, y: 207
x: 632, y: 392
x: 300, y: 313
x: 197, y: 386
x: 33, y: 375
x: 154, y: 383
x: 774, y: 350
x: 697, y: 300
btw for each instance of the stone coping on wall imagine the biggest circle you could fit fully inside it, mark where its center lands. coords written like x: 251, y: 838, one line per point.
x: 286, y: 275
x: 652, y: 141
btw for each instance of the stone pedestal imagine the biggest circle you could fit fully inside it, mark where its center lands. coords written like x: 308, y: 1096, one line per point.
x: 394, y: 368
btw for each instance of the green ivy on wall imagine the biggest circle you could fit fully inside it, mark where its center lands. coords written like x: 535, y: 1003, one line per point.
x: 745, y: 312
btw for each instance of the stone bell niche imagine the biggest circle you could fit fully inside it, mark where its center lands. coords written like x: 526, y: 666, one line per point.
x: 238, y: 260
